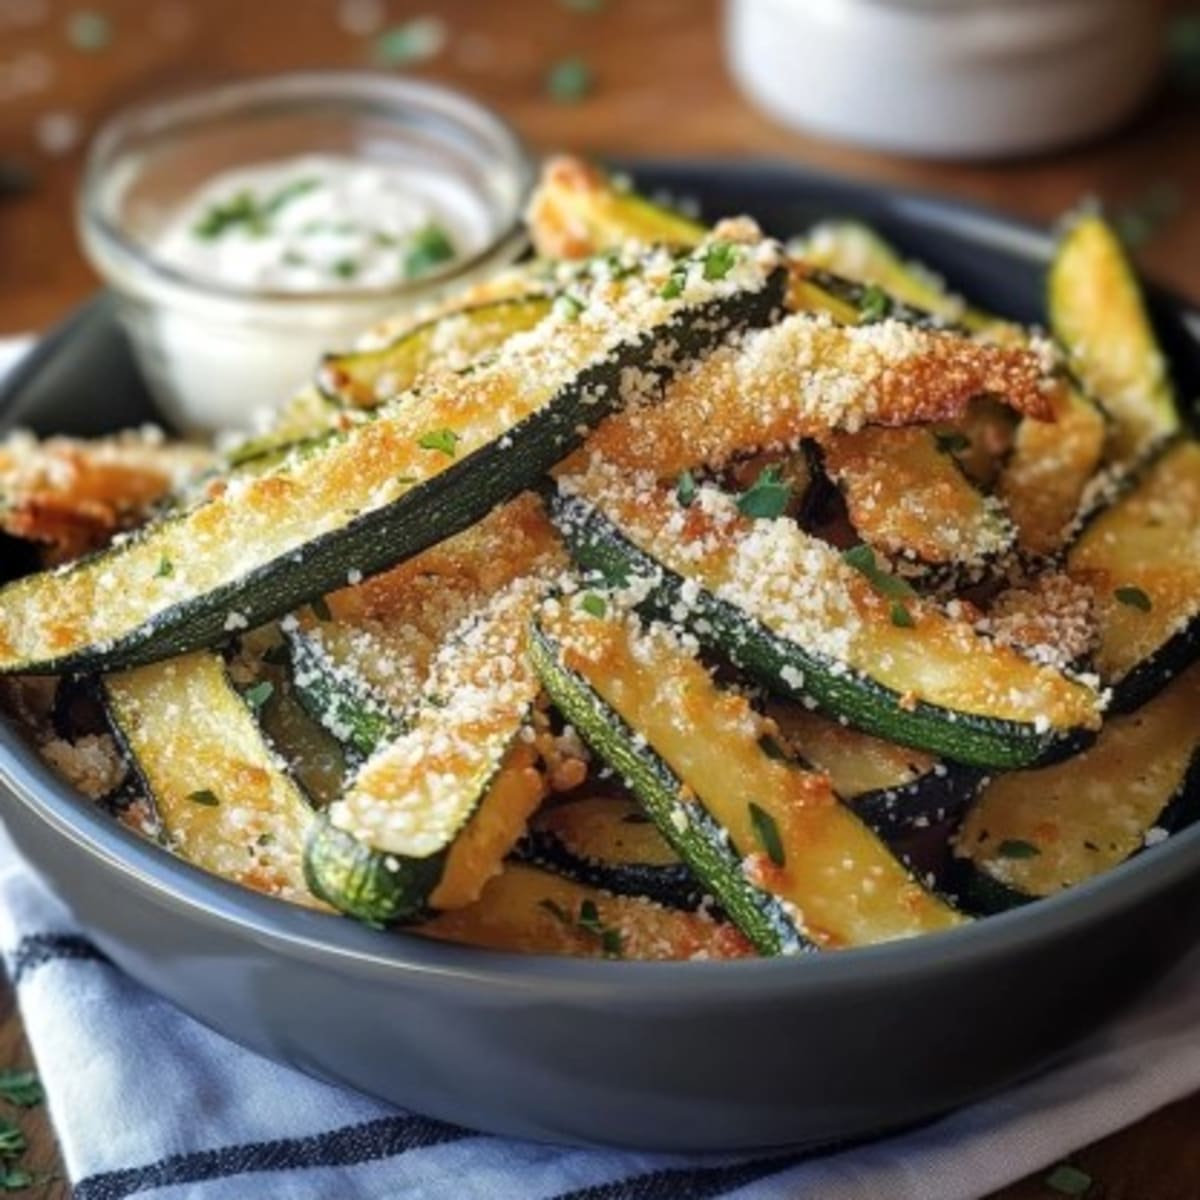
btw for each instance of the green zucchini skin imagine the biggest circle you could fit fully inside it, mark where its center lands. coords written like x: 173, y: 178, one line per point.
x: 1153, y: 673
x: 1073, y: 823
x: 983, y: 894
x: 896, y: 813
x: 427, y: 513
x: 704, y: 842
x: 876, y: 304
x: 671, y: 885
x: 337, y: 700
x: 596, y: 544
x: 356, y: 879
x: 979, y: 893
x: 1142, y: 682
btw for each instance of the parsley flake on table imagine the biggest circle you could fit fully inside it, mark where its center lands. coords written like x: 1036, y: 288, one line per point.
x: 12, y: 1140
x: 1067, y: 1180
x: 569, y: 80
x: 21, y: 1087
x: 413, y: 42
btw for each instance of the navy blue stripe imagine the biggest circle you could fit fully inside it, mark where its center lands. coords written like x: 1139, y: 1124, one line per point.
x: 694, y: 1183
x: 36, y: 949
x: 384, y: 1137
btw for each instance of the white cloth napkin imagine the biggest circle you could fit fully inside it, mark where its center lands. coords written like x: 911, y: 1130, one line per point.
x: 147, y: 1103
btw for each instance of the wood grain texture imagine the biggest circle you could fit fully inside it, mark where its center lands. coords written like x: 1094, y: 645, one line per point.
x: 660, y: 88
x: 42, y: 1155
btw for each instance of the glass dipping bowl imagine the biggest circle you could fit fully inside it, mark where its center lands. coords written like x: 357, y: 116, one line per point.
x: 216, y: 355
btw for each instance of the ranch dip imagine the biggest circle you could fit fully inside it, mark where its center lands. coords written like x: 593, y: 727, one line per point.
x: 324, y: 223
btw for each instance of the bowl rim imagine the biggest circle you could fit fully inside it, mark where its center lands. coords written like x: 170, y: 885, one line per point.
x: 333, y: 939
x: 197, y: 106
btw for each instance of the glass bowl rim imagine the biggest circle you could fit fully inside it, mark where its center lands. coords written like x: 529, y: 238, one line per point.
x: 197, y: 106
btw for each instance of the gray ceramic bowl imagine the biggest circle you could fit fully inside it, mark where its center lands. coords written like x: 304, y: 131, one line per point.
x: 667, y: 1056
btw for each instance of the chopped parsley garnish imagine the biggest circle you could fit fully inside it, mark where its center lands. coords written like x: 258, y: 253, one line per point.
x: 206, y: 797
x: 442, y: 440
x: 259, y: 694
x: 569, y: 80
x: 675, y: 284
x: 901, y: 616
x: 767, y: 833
x: 718, y: 260
x: 589, y: 922
x: 953, y: 443
x: 594, y: 605
x: 767, y: 498
x: 1067, y: 1180
x: 427, y: 248
x: 1134, y: 597
x: 589, y: 917
x: 320, y: 609
x: 289, y: 192
x: 21, y: 1087
x: 611, y: 942
x: 165, y: 568
x: 685, y: 488
x: 874, y: 305
x: 345, y: 268
x: 568, y: 307
x: 862, y: 559
x: 240, y: 209
x: 265, y: 839
x: 1017, y: 848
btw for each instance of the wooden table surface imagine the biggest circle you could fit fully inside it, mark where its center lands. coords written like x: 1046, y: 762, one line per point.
x: 659, y: 86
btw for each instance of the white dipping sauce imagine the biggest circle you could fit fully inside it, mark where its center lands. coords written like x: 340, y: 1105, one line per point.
x: 320, y: 222
x: 308, y: 252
